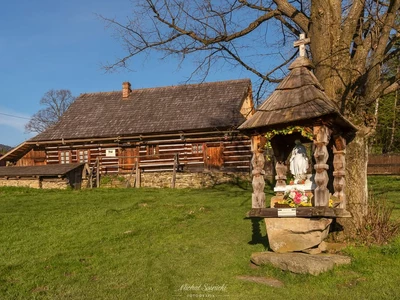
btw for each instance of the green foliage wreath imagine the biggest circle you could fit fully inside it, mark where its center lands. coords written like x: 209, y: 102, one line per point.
x: 304, y: 131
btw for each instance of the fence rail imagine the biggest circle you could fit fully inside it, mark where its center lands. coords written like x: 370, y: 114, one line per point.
x: 384, y: 164
x: 378, y: 164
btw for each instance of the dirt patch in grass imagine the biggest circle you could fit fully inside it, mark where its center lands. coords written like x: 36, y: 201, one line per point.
x: 262, y: 280
x: 40, y: 289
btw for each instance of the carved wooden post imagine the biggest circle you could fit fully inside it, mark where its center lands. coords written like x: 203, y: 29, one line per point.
x: 281, y: 170
x: 258, y: 196
x: 321, y: 193
x: 339, y: 164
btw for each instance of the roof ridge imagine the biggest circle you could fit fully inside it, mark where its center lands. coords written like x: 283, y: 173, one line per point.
x: 194, y: 84
x: 174, y: 86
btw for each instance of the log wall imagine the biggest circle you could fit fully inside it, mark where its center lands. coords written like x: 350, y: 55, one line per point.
x: 236, y: 156
x: 195, y: 155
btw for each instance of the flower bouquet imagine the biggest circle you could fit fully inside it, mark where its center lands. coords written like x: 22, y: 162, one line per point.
x: 295, y: 198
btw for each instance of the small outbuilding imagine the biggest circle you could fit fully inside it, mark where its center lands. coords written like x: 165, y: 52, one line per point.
x: 46, y: 176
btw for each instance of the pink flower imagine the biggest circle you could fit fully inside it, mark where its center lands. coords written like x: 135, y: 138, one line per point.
x: 297, y: 198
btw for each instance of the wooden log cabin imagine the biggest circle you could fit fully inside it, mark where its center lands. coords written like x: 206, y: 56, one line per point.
x: 149, y: 129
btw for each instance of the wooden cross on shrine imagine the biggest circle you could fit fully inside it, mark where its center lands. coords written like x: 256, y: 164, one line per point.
x: 302, y: 44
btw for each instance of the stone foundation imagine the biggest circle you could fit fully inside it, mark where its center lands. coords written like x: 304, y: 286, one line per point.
x: 35, y: 183
x: 183, y: 180
x: 153, y: 180
x: 31, y: 183
x: 55, y: 184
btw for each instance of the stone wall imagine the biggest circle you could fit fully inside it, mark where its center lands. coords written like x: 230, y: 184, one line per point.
x: 35, y: 183
x: 191, y: 180
x: 153, y: 180
x: 183, y: 180
x: 32, y: 183
x: 55, y: 184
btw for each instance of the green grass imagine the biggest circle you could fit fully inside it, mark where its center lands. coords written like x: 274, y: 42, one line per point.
x: 152, y: 243
x: 388, y: 188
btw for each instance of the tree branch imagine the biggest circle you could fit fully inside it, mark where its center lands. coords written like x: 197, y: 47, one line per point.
x: 253, y: 70
x: 295, y: 15
x: 218, y: 39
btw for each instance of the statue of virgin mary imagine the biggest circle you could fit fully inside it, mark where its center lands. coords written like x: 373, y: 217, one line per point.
x: 299, y: 162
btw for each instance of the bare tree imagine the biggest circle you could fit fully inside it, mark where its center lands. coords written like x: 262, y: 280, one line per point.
x: 351, y: 41
x: 55, y: 103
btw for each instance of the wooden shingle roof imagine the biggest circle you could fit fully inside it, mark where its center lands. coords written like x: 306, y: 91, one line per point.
x: 43, y: 171
x: 183, y: 108
x: 298, y: 99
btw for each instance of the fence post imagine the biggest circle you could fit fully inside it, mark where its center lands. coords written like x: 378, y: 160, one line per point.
x: 176, y: 164
x: 97, y: 172
x: 138, y: 175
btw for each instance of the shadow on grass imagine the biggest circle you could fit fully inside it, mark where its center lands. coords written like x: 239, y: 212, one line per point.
x: 256, y: 235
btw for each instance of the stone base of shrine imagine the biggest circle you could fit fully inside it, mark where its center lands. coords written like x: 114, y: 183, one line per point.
x: 291, y: 231
x: 296, y: 234
x: 299, y: 262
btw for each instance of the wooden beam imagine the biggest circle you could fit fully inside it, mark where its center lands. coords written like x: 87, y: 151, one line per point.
x: 301, y: 212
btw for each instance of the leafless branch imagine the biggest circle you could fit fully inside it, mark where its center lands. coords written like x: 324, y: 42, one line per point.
x: 55, y: 103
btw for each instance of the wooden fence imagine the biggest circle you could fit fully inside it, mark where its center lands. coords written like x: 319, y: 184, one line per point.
x: 384, y: 164
x: 378, y: 164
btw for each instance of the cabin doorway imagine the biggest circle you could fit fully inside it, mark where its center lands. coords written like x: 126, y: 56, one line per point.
x: 214, y: 157
x: 129, y: 158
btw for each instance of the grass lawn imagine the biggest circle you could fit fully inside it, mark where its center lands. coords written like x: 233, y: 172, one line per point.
x: 163, y: 244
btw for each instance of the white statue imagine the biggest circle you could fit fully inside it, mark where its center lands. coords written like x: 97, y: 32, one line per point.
x: 299, y: 162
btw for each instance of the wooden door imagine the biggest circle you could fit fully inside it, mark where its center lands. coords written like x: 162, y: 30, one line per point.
x: 214, y: 157
x: 129, y: 158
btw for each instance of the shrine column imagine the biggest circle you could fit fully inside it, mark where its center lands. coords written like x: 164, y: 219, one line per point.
x: 258, y: 196
x: 339, y: 164
x: 258, y: 172
x: 281, y: 170
x: 321, y: 140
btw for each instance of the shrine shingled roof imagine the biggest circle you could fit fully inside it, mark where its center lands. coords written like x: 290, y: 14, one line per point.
x: 298, y: 99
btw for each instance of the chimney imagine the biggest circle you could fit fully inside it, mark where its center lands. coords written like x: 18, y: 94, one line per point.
x: 126, y: 89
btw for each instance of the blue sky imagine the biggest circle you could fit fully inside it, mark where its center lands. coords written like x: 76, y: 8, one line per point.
x: 54, y: 44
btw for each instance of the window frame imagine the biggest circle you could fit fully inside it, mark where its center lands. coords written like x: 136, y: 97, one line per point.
x: 197, y: 149
x: 82, y: 152
x: 64, y: 156
x: 153, y: 150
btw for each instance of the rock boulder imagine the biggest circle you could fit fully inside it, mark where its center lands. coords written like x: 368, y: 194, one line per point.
x: 296, y: 234
x: 300, y: 262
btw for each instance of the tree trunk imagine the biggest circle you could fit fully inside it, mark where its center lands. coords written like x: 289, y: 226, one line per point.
x: 330, y: 58
x: 393, y: 122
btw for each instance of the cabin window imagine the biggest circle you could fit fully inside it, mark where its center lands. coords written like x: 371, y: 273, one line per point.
x: 65, y: 157
x: 83, y: 156
x: 152, y: 150
x: 197, y: 148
